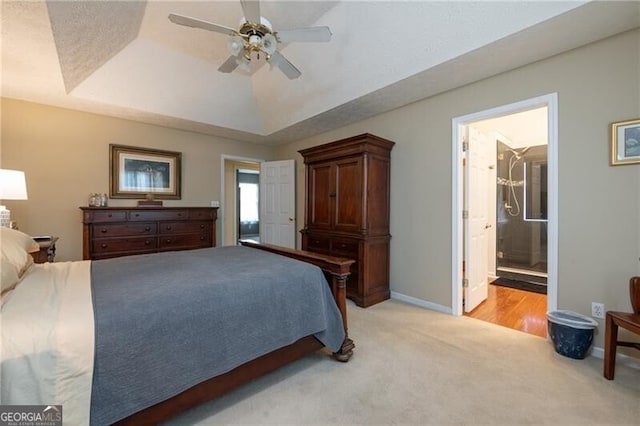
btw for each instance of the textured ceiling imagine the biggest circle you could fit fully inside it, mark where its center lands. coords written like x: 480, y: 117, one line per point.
x: 126, y: 59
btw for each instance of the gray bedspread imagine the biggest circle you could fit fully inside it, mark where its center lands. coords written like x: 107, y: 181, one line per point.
x: 165, y: 322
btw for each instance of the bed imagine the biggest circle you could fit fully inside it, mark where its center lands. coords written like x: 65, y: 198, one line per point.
x: 136, y: 340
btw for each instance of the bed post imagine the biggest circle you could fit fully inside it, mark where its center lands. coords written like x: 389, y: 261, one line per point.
x: 339, y: 289
x: 336, y: 270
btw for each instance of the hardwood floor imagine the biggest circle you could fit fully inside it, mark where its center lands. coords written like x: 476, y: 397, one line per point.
x: 517, y: 309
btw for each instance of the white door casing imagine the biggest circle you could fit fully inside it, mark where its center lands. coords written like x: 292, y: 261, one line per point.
x: 278, y: 203
x: 477, y: 223
x: 457, y: 205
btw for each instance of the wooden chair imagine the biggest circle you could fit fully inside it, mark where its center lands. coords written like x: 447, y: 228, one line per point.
x: 627, y: 320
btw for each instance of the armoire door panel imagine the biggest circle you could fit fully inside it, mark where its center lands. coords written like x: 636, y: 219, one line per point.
x: 348, y: 210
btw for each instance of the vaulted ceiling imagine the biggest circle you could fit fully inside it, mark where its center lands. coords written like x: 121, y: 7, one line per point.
x: 126, y: 59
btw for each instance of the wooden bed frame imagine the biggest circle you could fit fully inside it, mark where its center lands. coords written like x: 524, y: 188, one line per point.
x: 336, y: 270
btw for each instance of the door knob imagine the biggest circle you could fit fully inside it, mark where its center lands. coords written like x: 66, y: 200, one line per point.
x: 290, y: 219
x: 487, y: 226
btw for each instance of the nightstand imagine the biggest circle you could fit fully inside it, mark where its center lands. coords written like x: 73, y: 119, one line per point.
x: 47, y: 251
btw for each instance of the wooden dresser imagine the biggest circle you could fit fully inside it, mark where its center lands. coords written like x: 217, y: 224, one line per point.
x: 124, y: 231
x: 347, y: 210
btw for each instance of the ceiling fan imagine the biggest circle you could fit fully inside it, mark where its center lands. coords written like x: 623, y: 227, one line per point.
x: 256, y: 37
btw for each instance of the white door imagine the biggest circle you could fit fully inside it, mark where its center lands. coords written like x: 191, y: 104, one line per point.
x: 476, y: 225
x: 278, y: 203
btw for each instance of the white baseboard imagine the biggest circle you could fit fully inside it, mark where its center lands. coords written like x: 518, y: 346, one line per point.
x: 629, y: 361
x: 421, y: 303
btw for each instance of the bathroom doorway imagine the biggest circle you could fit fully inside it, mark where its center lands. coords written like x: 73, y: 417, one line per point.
x: 516, y: 224
x: 516, y: 243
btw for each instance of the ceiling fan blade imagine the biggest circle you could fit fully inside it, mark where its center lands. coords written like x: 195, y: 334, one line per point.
x: 285, y: 66
x: 229, y: 65
x: 251, y: 10
x: 313, y: 34
x: 197, y: 23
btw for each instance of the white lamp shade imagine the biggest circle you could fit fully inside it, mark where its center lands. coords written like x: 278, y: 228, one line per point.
x: 13, y: 185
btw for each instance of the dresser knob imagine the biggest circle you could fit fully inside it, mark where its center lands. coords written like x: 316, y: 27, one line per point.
x: 103, y: 230
x: 148, y: 228
x: 168, y: 228
x: 168, y: 241
x: 103, y: 245
x: 201, y: 226
x: 202, y: 238
x: 147, y: 242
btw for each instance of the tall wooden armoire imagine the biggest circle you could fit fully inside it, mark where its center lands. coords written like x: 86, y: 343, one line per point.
x: 347, y: 210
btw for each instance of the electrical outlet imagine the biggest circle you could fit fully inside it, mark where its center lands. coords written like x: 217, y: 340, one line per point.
x: 597, y: 310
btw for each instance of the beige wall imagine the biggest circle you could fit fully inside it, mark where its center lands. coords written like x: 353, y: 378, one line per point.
x: 65, y: 155
x: 599, y: 205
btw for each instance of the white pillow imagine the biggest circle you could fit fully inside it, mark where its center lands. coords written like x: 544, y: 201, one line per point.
x: 9, y: 275
x: 15, y: 247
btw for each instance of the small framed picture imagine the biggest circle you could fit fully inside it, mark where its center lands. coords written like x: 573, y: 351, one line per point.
x: 625, y: 142
x: 142, y: 172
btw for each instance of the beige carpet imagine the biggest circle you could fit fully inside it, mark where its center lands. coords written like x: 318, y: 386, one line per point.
x: 414, y: 366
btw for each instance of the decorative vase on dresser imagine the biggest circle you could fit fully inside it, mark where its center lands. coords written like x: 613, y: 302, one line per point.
x: 125, y: 231
x: 347, y: 210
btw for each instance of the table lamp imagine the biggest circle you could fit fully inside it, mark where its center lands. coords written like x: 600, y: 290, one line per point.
x: 13, y: 186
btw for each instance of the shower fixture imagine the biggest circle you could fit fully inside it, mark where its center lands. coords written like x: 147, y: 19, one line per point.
x: 517, y: 154
x: 512, y: 191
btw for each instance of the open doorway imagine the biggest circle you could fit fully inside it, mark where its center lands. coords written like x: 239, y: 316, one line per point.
x: 516, y: 224
x: 248, y: 204
x: 276, y: 198
x: 240, y: 191
x: 505, y: 238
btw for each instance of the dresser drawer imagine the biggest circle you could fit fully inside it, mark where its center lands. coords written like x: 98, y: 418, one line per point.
x: 317, y: 243
x: 105, y: 216
x: 344, y: 247
x: 203, y: 214
x: 178, y: 242
x: 111, y: 245
x: 124, y: 229
x: 158, y: 215
x: 184, y: 227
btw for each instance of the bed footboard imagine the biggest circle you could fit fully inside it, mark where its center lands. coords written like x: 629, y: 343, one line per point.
x: 336, y: 269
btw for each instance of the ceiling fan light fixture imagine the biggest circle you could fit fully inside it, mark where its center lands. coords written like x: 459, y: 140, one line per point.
x: 255, y: 41
x: 269, y: 44
x: 235, y: 45
x: 243, y: 63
